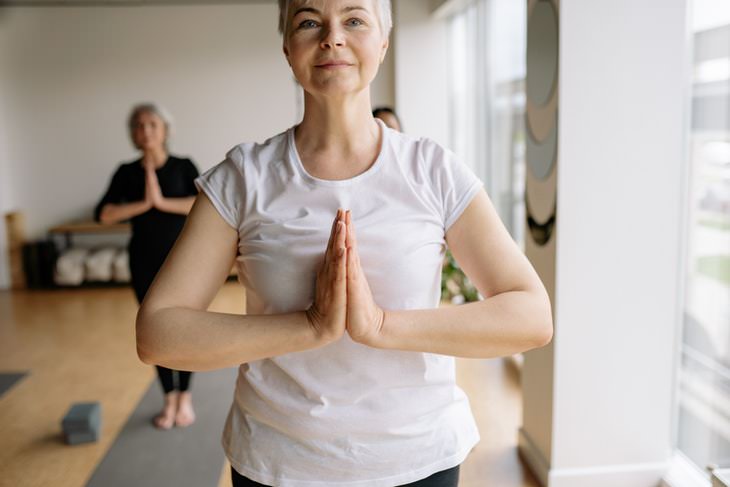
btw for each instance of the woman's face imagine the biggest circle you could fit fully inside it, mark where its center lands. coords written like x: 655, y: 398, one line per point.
x: 148, y: 131
x: 334, y: 47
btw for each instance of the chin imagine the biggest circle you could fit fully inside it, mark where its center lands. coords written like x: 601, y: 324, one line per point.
x: 336, y: 89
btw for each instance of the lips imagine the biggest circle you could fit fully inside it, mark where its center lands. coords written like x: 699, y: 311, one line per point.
x: 332, y: 64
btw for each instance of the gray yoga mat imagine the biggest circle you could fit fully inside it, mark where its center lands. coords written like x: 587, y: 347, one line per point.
x: 143, y: 456
x: 8, y: 380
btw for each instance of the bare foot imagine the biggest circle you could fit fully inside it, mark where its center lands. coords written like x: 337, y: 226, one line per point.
x: 185, y: 415
x: 166, y: 419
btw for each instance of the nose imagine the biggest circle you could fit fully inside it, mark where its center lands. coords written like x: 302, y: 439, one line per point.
x: 332, y: 37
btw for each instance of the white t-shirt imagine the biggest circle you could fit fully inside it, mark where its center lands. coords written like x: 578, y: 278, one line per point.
x: 345, y: 414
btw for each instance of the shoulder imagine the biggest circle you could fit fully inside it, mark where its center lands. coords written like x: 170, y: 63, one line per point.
x: 255, y: 156
x: 129, y: 167
x: 180, y: 161
x: 247, y: 161
x: 421, y: 147
x: 422, y: 155
x: 184, y: 165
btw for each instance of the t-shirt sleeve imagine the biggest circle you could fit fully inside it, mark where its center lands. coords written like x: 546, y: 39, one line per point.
x: 454, y: 183
x: 225, y: 187
x: 115, y: 193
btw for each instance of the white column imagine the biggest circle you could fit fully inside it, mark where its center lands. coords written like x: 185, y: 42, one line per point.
x: 598, y: 401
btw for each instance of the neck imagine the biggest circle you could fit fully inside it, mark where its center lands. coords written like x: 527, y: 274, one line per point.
x: 156, y: 156
x: 342, y: 125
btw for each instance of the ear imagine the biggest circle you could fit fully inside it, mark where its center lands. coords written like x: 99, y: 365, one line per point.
x: 384, y: 50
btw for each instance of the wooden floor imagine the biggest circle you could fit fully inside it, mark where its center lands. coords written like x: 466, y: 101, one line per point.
x: 72, y: 341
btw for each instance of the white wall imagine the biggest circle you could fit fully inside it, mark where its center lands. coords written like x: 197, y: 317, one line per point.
x: 69, y: 75
x: 421, y: 70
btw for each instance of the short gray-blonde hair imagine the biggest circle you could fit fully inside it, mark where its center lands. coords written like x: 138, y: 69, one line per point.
x: 384, y: 13
x: 153, y: 108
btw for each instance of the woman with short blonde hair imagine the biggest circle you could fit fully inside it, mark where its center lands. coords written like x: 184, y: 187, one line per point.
x: 339, y: 226
x: 155, y: 193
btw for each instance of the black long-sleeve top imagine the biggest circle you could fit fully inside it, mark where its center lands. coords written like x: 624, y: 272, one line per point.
x: 153, y: 232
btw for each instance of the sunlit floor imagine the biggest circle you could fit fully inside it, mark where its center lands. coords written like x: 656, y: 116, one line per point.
x: 73, y: 341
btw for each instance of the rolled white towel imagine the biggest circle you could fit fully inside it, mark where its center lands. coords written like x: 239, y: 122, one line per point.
x: 70, y: 267
x: 98, y: 264
x: 121, y: 266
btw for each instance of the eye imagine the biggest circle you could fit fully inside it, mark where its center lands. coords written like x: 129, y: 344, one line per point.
x: 307, y: 24
x: 355, y: 22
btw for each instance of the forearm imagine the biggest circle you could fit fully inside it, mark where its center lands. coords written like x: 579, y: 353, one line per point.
x: 181, y: 206
x: 187, y: 339
x: 502, y: 325
x: 112, y: 213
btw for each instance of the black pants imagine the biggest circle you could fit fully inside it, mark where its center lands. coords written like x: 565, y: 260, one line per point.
x: 445, y: 478
x: 168, y: 376
x: 171, y: 380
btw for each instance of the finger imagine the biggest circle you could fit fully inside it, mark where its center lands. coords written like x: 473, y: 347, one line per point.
x: 351, y: 264
x: 347, y: 224
x: 330, y: 242
x: 352, y: 239
x: 342, y: 234
x: 339, y: 253
x: 342, y: 266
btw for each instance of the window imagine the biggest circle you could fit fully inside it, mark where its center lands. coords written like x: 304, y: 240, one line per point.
x: 703, y: 429
x: 488, y: 40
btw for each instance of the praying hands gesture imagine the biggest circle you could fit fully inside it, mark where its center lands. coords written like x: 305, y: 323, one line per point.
x: 153, y: 193
x: 343, y: 300
x: 155, y: 199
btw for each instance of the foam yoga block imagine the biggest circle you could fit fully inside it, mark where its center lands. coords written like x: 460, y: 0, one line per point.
x: 82, y: 423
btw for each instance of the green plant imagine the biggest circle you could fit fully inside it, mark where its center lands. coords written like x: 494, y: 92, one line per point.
x: 455, y: 286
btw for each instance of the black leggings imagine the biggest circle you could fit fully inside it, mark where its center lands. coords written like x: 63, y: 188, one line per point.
x: 444, y: 478
x: 168, y: 376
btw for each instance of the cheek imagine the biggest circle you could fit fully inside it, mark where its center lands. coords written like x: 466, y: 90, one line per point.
x: 370, y: 59
x: 369, y: 52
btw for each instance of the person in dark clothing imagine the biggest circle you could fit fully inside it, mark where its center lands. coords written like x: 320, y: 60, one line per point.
x: 156, y: 193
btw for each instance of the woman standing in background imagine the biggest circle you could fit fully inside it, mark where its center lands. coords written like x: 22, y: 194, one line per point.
x: 155, y: 192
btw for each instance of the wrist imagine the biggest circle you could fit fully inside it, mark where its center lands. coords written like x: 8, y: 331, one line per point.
x: 320, y: 335
x: 376, y: 338
x: 160, y: 203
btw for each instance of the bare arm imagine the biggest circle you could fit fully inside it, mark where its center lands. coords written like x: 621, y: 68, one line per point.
x: 175, y: 330
x: 115, y: 213
x: 181, y: 206
x: 515, y: 316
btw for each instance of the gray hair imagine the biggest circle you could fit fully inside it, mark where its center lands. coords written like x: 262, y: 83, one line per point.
x: 141, y: 108
x: 385, y: 16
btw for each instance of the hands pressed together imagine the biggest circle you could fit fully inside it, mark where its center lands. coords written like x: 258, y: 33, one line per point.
x: 153, y: 194
x: 343, y: 300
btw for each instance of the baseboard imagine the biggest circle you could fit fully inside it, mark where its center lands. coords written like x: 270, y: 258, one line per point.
x: 630, y: 475
x: 533, y: 457
x: 684, y: 473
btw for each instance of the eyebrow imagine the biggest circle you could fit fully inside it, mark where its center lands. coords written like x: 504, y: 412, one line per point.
x: 315, y: 11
